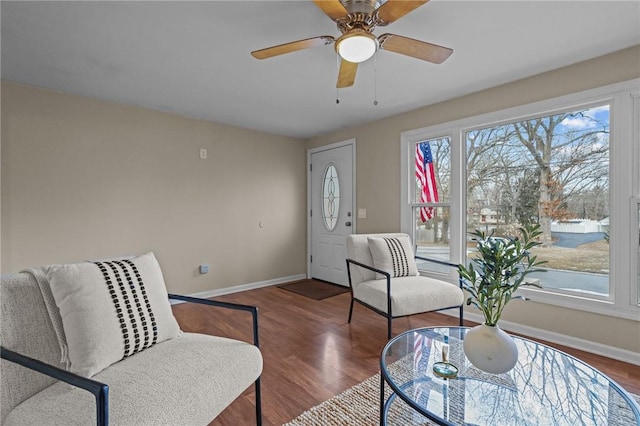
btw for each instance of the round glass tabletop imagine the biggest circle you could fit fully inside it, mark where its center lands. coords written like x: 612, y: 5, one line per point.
x: 546, y: 387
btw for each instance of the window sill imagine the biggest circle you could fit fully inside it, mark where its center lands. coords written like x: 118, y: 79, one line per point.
x: 581, y: 303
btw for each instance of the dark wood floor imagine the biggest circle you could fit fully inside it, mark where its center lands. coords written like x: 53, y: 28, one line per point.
x: 311, y: 353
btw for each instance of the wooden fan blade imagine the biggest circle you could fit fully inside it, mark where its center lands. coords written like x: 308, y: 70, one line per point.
x: 332, y: 8
x: 393, y: 10
x: 415, y: 48
x: 347, y: 74
x: 281, y: 49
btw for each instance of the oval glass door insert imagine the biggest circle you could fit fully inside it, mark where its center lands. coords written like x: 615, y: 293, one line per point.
x: 330, y: 197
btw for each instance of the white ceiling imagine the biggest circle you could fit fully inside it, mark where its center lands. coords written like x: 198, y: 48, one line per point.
x: 192, y: 58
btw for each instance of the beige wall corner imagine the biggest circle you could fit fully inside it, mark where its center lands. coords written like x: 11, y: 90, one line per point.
x: 86, y: 179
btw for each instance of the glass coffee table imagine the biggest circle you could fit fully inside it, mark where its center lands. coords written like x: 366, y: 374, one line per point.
x: 546, y: 387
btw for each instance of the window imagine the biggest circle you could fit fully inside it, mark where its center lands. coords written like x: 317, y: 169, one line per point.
x: 568, y: 163
x: 431, y: 207
x: 552, y: 170
x: 330, y: 197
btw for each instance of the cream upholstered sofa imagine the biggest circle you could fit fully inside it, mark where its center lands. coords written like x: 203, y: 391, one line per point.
x: 383, y: 276
x: 127, y: 365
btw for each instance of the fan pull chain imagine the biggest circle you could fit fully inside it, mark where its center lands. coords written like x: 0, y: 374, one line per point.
x: 375, y: 79
x: 338, y: 68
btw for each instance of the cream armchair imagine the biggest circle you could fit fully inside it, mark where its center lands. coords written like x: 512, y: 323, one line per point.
x: 383, y: 276
x: 186, y: 379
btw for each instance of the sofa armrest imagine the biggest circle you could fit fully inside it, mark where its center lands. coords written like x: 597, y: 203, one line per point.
x: 227, y: 305
x: 236, y: 306
x: 98, y: 389
x: 438, y: 261
x: 379, y: 271
x: 442, y: 262
x: 371, y: 268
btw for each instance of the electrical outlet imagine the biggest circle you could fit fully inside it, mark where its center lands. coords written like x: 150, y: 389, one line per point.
x: 203, y: 153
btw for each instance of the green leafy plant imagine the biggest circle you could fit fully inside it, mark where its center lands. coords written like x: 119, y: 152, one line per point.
x: 499, y: 270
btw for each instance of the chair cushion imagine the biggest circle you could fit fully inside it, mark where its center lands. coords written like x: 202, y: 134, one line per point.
x: 393, y: 255
x: 188, y: 380
x: 111, y: 310
x: 409, y: 295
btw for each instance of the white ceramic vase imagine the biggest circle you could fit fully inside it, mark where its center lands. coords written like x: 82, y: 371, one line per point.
x: 490, y: 349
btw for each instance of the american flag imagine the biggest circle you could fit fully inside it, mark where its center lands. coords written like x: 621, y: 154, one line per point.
x: 426, y: 177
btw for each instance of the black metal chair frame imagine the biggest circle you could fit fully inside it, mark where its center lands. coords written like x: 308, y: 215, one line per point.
x: 101, y: 390
x: 387, y: 275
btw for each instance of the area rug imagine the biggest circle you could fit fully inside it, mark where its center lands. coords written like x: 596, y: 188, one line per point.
x: 315, y: 289
x: 360, y: 406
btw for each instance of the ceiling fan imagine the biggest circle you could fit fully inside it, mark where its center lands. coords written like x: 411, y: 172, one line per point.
x: 356, y: 20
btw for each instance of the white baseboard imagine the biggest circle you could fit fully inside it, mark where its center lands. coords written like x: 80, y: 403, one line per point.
x: 561, y: 339
x: 243, y: 287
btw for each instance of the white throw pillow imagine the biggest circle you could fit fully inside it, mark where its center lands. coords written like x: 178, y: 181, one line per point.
x: 393, y: 255
x: 111, y: 309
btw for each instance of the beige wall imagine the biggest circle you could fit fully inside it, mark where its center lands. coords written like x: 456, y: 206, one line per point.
x: 378, y: 148
x: 88, y: 179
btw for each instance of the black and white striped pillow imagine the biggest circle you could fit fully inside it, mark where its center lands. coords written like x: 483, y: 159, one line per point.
x: 393, y: 255
x: 111, y: 310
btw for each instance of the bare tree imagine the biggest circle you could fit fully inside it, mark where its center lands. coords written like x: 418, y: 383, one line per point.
x: 484, y: 149
x: 569, y: 160
x: 559, y: 160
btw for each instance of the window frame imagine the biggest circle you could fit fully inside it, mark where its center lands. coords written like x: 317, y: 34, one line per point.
x: 439, y: 271
x: 624, y: 100
x: 407, y: 218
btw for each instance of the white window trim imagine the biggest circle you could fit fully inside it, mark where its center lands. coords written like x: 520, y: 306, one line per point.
x: 624, y: 163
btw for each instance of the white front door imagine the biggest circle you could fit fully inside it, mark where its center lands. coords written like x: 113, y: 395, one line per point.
x: 331, y: 215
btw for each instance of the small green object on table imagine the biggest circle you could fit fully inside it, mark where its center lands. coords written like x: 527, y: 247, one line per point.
x: 445, y: 370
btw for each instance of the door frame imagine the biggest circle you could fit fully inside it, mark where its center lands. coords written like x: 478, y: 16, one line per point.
x: 348, y: 142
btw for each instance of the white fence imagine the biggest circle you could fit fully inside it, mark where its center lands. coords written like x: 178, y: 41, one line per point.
x: 580, y: 227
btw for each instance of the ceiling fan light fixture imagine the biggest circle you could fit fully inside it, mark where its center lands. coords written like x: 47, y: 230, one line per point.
x: 357, y: 46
